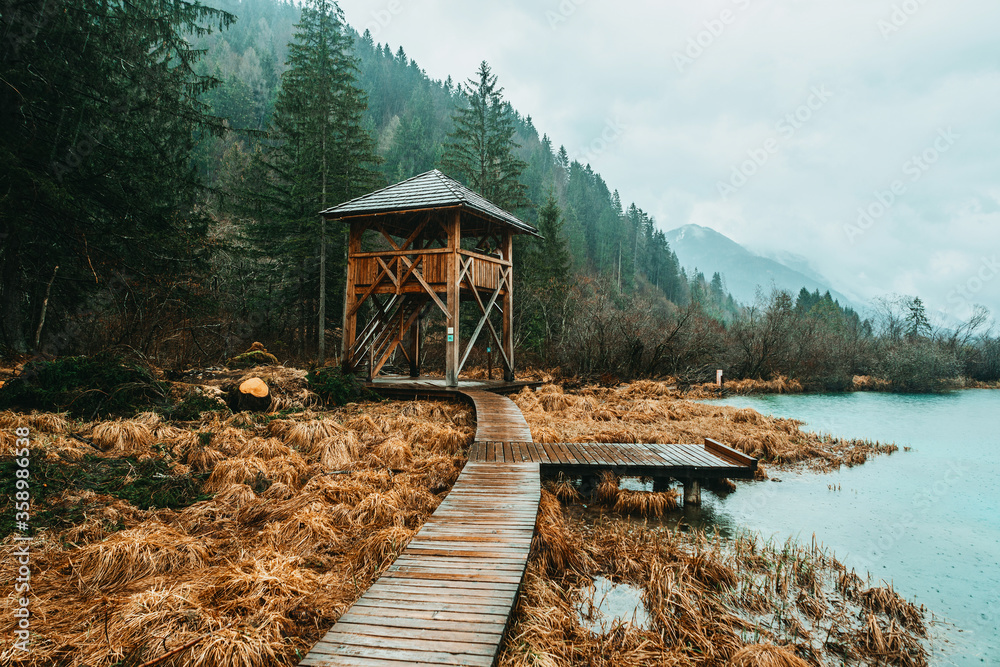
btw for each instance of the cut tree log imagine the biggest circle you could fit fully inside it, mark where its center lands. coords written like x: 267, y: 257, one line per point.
x: 251, y: 396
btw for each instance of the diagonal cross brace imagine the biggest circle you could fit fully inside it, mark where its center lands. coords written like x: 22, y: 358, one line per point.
x: 485, y: 320
x: 420, y: 278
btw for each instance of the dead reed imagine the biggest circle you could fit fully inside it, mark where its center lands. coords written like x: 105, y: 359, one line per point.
x: 45, y: 422
x: 306, y: 512
x: 645, y: 503
x: 776, y: 385
x: 869, y: 383
x: 766, y: 655
x: 123, y: 436
x: 710, y: 601
x: 151, y: 549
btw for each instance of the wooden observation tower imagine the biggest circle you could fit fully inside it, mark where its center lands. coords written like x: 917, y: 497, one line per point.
x: 427, y: 242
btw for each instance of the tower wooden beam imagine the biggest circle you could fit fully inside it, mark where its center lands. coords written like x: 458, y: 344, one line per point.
x: 451, y: 350
x: 508, y: 309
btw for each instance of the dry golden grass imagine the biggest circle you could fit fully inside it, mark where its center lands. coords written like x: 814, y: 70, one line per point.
x: 46, y: 422
x: 979, y: 384
x: 777, y: 385
x: 123, y: 436
x: 203, y: 459
x: 236, y: 495
x: 380, y: 548
x: 366, y: 429
x: 884, y: 600
x: 69, y: 449
x: 126, y: 556
x: 555, y: 547
x: 870, y: 383
x: 607, y: 489
x: 646, y: 503
x: 766, y: 655
x: 307, y: 511
x: 564, y: 490
x: 437, y: 472
x: 290, y: 470
x: 8, y: 442
x: 480, y: 371
x: 235, y: 471
x: 305, y: 436
x: 544, y: 435
x: 393, y: 453
x: 747, y: 416
x: 264, y: 448
x: 338, y: 452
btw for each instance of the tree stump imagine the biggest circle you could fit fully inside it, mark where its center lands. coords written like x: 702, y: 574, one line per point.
x: 251, y: 396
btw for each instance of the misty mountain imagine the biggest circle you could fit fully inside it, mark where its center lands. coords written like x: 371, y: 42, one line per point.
x: 744, y: 272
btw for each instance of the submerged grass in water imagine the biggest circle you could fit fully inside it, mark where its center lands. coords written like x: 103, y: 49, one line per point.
x: 709, y: 601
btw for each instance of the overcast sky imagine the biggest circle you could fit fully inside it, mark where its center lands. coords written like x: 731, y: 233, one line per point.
x: 771, y: 121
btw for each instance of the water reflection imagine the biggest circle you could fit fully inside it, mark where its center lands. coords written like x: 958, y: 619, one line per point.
x: 607, y: 604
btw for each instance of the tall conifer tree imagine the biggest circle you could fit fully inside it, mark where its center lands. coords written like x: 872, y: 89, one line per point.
x: 551, y: 262
x: 324, y: 155
x: 481, y: 147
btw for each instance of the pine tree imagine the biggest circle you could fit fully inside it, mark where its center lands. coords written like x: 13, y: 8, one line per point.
x: 551, y: 260
x: 547, y: 280
x: 324, y: 156
x: 481, y: 147
x: 562, y: 159
x: 718, y: 288
x: 916, y: 320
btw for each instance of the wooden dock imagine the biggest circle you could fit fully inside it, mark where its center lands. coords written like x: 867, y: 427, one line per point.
x: 710, y: 460
x: 447, y: 598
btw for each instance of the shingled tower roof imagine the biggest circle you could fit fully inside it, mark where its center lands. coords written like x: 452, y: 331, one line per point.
x: 430, y: 190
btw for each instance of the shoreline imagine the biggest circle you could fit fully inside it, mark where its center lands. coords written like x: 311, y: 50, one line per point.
x: 711, y: 391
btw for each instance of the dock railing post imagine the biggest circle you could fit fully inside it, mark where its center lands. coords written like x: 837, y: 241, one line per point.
x: 692, y: 492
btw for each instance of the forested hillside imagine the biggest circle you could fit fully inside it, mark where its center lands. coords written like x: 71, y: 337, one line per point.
x: 410, y: 116
x: 163, y: 169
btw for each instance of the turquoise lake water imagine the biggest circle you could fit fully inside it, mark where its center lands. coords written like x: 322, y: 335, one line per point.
x: 927, y: 521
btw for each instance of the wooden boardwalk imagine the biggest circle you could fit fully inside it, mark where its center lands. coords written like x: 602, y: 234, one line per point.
x: 447, y: 598
x: 498, y: 419
x: 712, y: 459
